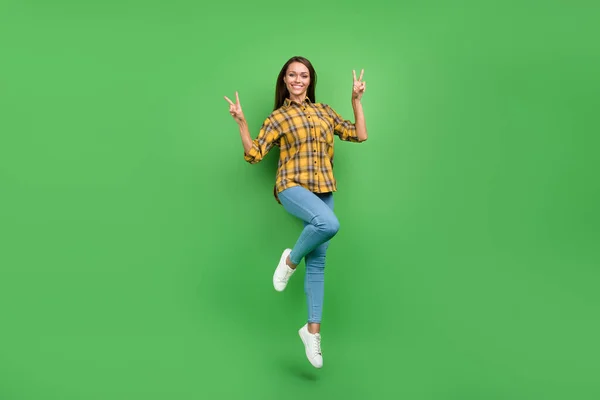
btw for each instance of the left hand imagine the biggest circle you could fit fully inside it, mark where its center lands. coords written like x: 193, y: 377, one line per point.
x: 359, y: 86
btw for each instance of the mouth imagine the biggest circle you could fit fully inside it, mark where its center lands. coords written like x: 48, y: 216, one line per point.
x: 297, y: 86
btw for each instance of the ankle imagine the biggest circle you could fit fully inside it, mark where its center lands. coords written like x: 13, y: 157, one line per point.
x: 290, y: 263
x: 314, y: 327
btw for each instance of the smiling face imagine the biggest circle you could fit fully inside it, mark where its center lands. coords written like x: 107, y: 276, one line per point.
x: 297, y: 79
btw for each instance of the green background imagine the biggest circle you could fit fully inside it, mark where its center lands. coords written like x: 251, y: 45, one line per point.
x: 137, y: 246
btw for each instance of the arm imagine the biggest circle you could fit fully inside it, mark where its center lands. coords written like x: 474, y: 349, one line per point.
x: 254, y: 150
x: 245, y: 136
x: 260, y: 147
x: 359, y: 116
x: 238, y: 115
x: 346, y: 130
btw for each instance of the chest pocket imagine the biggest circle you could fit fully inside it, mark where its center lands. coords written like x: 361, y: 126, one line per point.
x: 326, y: 130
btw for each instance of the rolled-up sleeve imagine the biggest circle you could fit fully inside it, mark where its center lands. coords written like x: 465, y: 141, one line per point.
x: 267, y: 137
x: 343, y: 128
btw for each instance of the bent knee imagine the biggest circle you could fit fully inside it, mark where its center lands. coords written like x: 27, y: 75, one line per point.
x: 332, y: 226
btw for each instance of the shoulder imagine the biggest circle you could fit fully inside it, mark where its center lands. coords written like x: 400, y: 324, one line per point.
x: 325, y: 108
x: 274, y: 119
x: 280, y: 113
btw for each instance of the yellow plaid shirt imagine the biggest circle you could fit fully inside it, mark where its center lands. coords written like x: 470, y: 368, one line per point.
x: 304, y: 134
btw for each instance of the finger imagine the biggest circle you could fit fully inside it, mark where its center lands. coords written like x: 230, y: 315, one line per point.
x: 354, y: 75
x: 237, y: 97
x: 361, y: 74
x: 229, y: 101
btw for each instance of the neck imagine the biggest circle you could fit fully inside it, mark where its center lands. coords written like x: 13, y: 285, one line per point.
x: 298, y: 99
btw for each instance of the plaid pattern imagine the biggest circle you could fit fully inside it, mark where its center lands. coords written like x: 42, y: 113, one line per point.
x: 304, y: 134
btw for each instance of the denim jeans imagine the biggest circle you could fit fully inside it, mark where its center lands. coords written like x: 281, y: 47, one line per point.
x: 320, y: 225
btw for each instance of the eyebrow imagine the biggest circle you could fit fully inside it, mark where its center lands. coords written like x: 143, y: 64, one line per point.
x: 301, y: 72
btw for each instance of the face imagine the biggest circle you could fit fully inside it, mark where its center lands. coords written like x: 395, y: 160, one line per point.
x: 297, y: 79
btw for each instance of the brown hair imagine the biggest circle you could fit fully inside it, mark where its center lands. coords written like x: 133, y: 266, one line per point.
x: 281, y: 91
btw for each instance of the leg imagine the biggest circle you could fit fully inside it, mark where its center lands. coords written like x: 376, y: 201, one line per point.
x: 314, y: 282
x: 320, y: 223
x: 314, y: 286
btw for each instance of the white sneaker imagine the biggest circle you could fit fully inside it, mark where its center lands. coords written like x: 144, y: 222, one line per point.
x: 312, y: 346
x: 282, y: 272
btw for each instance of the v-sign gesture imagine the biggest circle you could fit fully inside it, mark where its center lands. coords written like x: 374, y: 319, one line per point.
x: 235, y: 109
x: 359, y: 86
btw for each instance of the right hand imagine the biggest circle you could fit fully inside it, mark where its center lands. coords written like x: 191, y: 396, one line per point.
x: 235, y: 109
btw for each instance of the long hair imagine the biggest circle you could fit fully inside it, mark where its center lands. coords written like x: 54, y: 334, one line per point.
x: 281, y: 91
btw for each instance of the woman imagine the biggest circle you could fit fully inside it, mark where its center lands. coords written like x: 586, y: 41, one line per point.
x: 304, y: 131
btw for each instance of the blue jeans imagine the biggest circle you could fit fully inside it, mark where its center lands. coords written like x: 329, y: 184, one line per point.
x: 320, y: 225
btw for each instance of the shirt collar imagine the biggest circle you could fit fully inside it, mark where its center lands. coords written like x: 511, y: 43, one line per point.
x: 288, y: 102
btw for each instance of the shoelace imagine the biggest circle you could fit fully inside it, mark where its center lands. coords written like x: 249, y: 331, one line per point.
x: 317, y: 343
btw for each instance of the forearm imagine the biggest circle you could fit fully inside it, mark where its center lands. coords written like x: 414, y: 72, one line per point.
x: 359, y: 120
x: 245, y: 136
